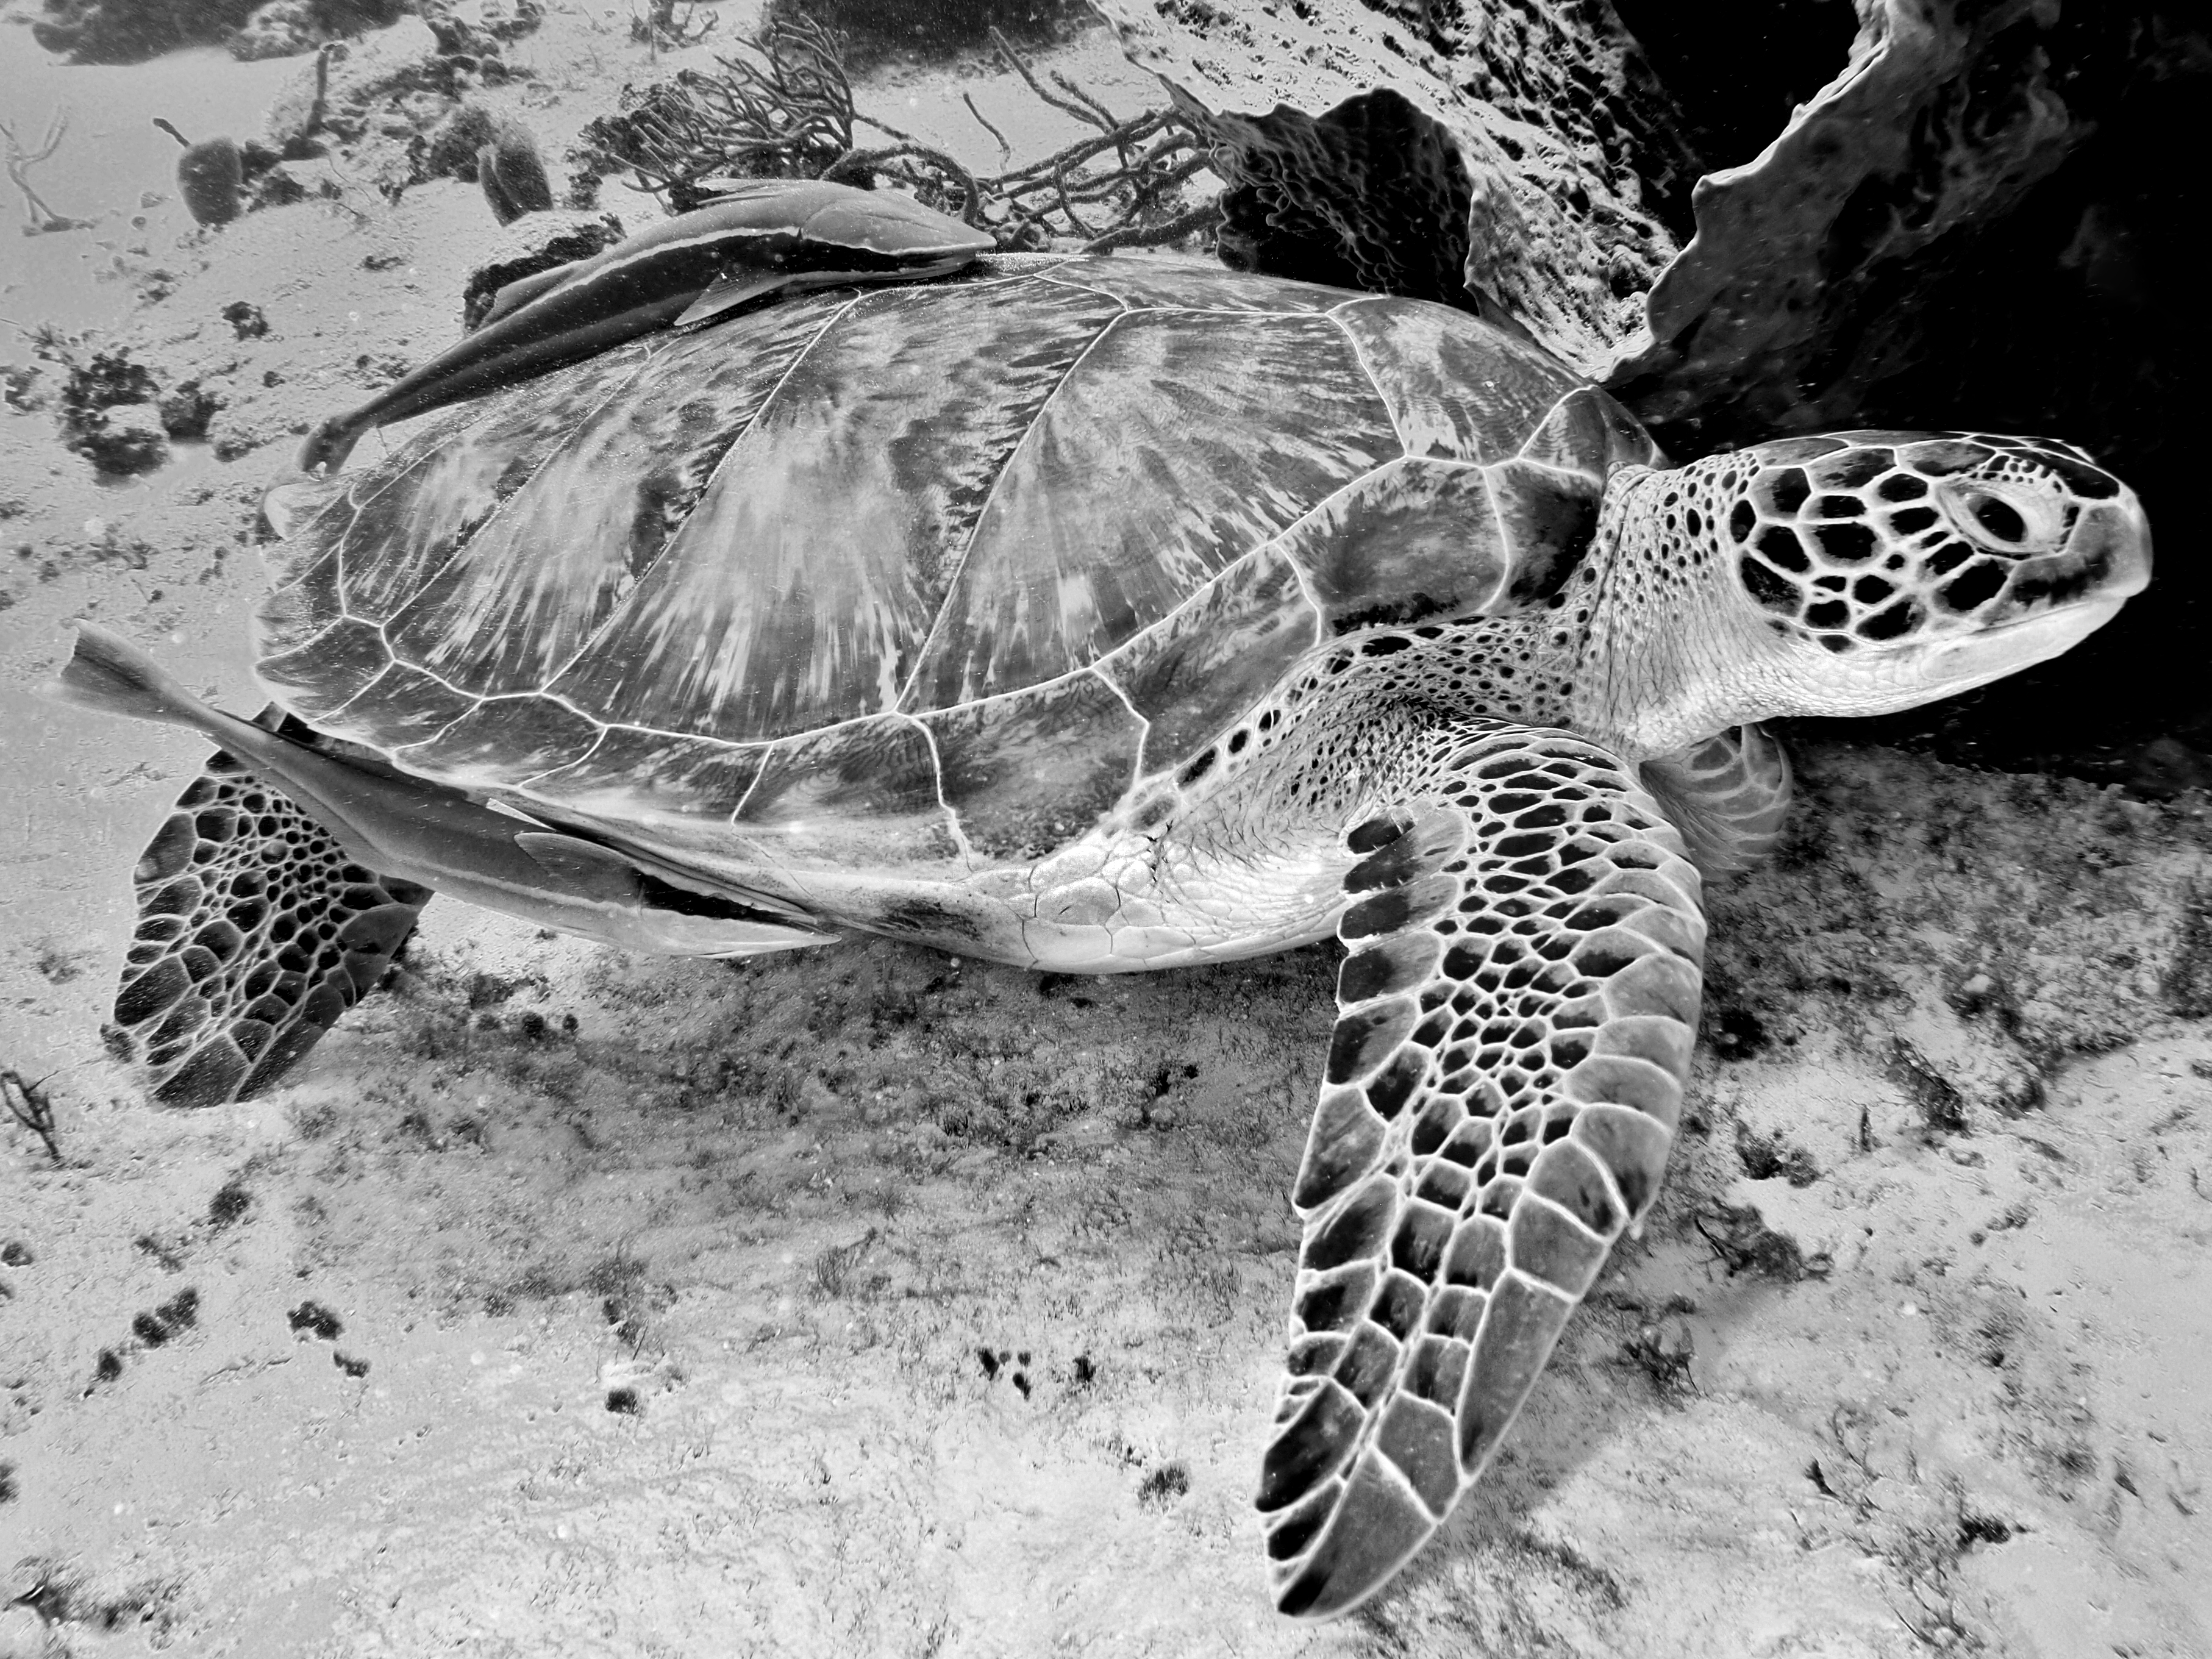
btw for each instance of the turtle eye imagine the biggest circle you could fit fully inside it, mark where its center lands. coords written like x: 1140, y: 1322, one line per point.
x: 2005, y: 521
x: 2003, y: 524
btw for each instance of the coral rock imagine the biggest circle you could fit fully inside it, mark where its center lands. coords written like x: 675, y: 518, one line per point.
x: 1796, y: 294
x: 539, y: 243
x: 210, y: 177
x: 512, y: 174
x: 186, y: 408
x: 1531, y: 154
x: 131, y: 31
x: 284, y: 28
x: 125, y: 438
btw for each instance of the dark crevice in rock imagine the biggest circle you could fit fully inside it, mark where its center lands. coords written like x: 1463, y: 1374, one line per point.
x: 1379, y: 156
x: 1700, y: 53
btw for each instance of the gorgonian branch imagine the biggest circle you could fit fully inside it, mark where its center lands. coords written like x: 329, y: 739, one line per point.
x: 784, y: 109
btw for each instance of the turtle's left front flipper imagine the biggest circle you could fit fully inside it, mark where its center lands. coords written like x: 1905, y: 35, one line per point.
x: 1513, y: 1032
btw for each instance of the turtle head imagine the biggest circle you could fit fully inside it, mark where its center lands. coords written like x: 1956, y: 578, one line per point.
x: 1859, y: 573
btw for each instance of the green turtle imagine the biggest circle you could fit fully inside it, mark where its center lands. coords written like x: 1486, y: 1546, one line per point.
x: 752, y: 237
x: 1110, y: 613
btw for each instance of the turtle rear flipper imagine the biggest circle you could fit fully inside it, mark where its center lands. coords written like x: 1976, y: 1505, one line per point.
x: 256, y: 932
x: 1513, y: 1032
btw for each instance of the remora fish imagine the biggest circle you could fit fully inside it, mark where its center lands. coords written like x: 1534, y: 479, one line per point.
x: 758, y: 236
x: 438, y: 837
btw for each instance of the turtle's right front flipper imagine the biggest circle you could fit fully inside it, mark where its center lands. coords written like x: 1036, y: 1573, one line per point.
x: 1513, y: 1033
x: 256, y: 931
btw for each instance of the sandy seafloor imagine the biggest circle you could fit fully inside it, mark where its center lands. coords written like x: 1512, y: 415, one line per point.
x: 949, y: 1297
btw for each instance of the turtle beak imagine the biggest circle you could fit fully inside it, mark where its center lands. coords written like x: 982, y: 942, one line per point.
x: 2105, y: 562
x: 2053, y: 603
x: 2116, y: 534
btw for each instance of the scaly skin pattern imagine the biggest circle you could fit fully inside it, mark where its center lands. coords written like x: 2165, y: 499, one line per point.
x: 1515, y: 1020
x: 241, y: 960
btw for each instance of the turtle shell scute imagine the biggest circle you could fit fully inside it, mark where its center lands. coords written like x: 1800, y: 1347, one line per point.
x: 325, y: 671
x: 1144, y: 480
x: 863, y: 791
x: 1546, y: 518
x: 660, y: 779
x: 1415, y: 538
x: 503, y: 739
x: 1588, y: 431
x: 1203, y: 668
x: 1457, y: 389
x: 1190, y: 286
x: 1025, y: 774
x: 406, y: 706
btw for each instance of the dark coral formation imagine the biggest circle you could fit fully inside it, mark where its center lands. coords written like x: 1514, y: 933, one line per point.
x: 877, y: 29
x: 545, y: 240
x: 1798, y: 45
x: 107, y: 410
x: 1800, y: 291
x: 131, y: 31
x: 211, y: 178
x: 1532, y: 150
x: 1384, y: 155
x: 511, y: 173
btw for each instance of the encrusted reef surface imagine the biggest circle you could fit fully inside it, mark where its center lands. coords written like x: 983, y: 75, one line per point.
x: 1519, y: 159
x: 866, y: 1300
x: 130, y: 30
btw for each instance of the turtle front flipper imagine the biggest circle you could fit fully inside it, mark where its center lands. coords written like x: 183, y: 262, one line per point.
x: 1727, y: 795
x: 256, y: 932
x: 1513, y: 1032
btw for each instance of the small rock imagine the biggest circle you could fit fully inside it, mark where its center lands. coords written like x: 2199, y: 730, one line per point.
x: 186, y: 409
x: 237, y: 441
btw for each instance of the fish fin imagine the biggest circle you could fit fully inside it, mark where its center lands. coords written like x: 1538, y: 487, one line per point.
x: 106, y: 672
x: 728, y: 293
x: 327, y: 446
x: 507, y: 809
x: 724, y: 188
x: 513, y: 296
x: 288, y: 507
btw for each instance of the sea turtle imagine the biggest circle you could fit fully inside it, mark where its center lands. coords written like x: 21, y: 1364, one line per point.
x: 751, y: 239
x: 1109, y: 613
